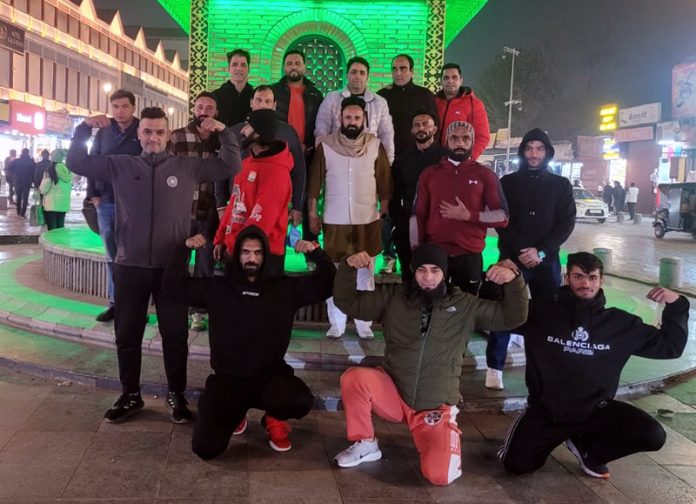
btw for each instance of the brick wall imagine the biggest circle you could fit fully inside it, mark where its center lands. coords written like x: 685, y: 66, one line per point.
x: 376, y: 30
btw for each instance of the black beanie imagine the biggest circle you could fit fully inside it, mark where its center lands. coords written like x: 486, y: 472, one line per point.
x: 429, y: 253
x: 264, y: 123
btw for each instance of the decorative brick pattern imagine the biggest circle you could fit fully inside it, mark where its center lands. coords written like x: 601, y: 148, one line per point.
x: 198, y: 50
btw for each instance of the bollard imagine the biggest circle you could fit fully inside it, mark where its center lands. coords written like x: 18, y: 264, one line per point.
x: 671, y: 272
x: 620, y: 216
x: 637, y: 218
x: 604, y: 255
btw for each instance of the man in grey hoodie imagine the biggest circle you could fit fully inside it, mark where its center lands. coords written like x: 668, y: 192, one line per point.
x: 153, y: 194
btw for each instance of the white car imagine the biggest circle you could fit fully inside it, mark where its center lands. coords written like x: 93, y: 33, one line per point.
x: 589, y: 207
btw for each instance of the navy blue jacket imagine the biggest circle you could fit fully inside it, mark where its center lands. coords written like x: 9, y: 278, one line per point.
x: 110, y: 141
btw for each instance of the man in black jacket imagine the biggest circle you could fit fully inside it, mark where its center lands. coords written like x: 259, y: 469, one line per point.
x: 251, y: 315
x: 297, y: 103
x: 233, y: 96
x: 542, y: 217
x: 24, y: 168
x: 576, y: 349
x: 406, y: 169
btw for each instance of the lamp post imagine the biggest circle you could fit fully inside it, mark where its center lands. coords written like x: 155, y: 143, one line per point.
x: 514, y: 52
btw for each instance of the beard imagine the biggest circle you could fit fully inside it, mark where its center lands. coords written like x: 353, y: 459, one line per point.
x: 351, y: 132
x: 422, y: 137
x: 251, y: 270
x: 427, y: 297
x: 199, y: 119
x: 458, y: 154
x: 295, y: 76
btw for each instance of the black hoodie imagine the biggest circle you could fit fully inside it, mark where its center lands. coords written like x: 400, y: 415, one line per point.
x: 250, y: 323
x: 541, y: 205
x: 576, y: 350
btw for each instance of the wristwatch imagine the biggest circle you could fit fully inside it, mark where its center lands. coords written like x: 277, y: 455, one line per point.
x: 541, y: 255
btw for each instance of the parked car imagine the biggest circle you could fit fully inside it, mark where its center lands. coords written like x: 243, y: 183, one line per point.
x: 588, y: 206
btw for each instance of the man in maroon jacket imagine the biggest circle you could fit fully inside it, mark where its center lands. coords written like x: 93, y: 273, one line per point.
x: 457, y: 200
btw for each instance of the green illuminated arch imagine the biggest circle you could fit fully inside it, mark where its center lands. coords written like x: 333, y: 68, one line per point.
x: 320, y: 22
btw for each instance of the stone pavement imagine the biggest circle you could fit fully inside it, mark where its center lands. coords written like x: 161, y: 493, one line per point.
x: 55, y: 448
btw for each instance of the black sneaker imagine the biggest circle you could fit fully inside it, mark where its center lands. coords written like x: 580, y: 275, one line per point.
x: 594, y: 470
x: 107, y: 315
x: 125, y: 406
x: 176, y: 404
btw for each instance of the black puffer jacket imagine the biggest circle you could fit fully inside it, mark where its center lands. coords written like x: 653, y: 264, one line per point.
x: 576, y: 350
x: 541, y: 205
x: 312, y: 99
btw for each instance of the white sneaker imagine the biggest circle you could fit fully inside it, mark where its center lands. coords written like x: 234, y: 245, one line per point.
x: 494, y: 379
x: 364, y: 330
x: 359, y: 452
x: 335, y: 331
x: 198, y: 322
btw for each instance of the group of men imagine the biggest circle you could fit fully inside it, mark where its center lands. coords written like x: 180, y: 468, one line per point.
x: 352, y: 166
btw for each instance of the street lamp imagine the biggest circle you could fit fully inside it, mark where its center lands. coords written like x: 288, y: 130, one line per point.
x: 514, y: 52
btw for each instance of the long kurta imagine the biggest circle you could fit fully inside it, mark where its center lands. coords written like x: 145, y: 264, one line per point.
x: 352, y: 187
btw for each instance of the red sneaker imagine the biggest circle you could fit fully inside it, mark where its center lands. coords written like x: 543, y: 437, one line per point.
x: 277, y: 431
x: 241, y: 427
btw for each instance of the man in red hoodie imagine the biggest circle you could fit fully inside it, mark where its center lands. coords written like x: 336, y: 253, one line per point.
x: 456, y: 102
x: 261, y: 191
x: 457, y: 200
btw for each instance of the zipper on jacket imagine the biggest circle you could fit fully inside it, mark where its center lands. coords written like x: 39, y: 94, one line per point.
x: 420, y: 361
x: 152, y: 207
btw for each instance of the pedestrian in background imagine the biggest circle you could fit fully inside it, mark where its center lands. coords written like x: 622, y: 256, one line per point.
x: 631, y: 200
x: 41, y: 168
x: 55, y: 188
x: 23, y: 171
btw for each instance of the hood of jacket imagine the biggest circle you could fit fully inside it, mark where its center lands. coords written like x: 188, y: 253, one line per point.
x: 463, y: 91
x: 278, y: 154
x: 234, y: 265
x: 541, y: 136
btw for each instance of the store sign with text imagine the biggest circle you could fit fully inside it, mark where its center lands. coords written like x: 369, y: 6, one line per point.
x: 58, y: 122
x: 684, y: 91
x: 634, y: 134
x: 27, y: 118
x: 644, y: 114
x: 11, y: 37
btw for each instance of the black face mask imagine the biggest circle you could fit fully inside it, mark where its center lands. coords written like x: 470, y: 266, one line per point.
x: 351, y: 132
x: 458, y: 154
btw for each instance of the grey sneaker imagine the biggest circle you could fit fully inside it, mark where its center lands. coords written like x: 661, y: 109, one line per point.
x: 359, y: 452
x: 594, y: 470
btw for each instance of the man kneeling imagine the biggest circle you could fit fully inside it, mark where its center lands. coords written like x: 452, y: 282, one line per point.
x: 251, y: 315
x: 576, y: 349
x: 426, y: 331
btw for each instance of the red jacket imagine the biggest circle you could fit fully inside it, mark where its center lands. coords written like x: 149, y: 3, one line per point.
x: 477, y: 187
x: 464, y: 107
x: 260, y: 196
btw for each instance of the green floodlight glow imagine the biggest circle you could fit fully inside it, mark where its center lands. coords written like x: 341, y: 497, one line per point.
x: 459, y: 14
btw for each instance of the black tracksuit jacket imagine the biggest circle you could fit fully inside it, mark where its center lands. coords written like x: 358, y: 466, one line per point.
x: 576, y: 350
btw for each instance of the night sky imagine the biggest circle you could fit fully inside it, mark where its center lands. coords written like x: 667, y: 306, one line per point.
x: 599, y: 51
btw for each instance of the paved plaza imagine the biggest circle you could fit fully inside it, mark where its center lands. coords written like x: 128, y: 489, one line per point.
x: 56, y: 448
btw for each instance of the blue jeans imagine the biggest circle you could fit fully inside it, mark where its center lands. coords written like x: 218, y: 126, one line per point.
x: 543, y: 281
x: 107, y: 223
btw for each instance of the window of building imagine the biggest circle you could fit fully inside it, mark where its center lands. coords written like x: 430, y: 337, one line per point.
x: 104, y: 43
x: 62, y: 21
x: 5, y: 67
x: 121, y: 52
x: 61, y: 76
x: 19, y: 72
x: 73, y: 86
x: 21, y: 5
x: 83, y: 96
x: 136, y: 60
x: 47, y: 79
x: 85, y: 34
x: 94, y: 94
x: 35, y: 8
x: 34, y: 74
x: 49, y: 14
x: 73, y: 27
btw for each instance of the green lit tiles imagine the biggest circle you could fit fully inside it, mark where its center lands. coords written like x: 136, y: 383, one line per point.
x: 376, y: 29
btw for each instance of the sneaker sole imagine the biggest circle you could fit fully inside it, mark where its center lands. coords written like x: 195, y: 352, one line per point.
x: 573, y: 449
x: 177, y: 420
x: 243, y: 430
x: 490, y: 387
x: 278, y: 448
x: 124, y: 417
x: 370, y: 457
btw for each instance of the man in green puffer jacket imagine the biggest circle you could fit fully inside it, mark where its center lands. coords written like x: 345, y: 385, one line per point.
x: 426, y: 331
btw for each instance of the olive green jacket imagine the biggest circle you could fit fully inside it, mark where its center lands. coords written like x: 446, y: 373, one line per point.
x: 427, y: 370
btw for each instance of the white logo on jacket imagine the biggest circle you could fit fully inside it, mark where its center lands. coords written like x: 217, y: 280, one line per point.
x: 580, y: 334
x: 172, y: 181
